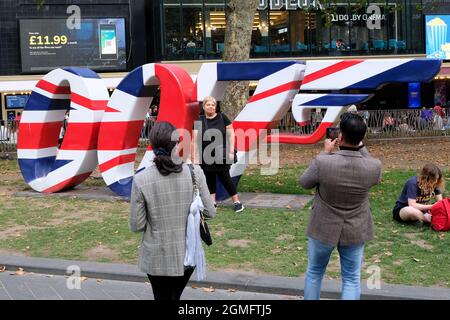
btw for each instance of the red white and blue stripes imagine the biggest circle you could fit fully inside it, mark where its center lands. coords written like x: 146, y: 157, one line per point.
x: 124, y: 117
x: 279, y: 81
x: 108, y: 133
x: 366, y: 74
x: 301, y: 111
x: 45, y: 167
x: 322, y: 75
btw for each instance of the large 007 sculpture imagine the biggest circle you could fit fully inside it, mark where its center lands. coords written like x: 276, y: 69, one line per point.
x: 105, y: 131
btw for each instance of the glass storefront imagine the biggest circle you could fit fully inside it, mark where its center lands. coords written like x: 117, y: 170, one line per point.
x: 195, y: 29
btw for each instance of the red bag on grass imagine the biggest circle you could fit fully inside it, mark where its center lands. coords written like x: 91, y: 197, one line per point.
x: 440, y: 215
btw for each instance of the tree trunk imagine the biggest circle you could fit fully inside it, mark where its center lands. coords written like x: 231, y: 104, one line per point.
x: 238, y: 35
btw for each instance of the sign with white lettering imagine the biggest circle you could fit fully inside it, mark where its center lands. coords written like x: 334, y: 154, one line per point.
x: 289, y: 4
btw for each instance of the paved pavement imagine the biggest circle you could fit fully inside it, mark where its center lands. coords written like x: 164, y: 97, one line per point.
x: 250, y: 200
x: 129, y: 279
x: 31, y: 286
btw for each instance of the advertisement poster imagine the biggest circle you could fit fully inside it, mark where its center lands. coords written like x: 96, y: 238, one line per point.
x: 414, y: 95
x: 46, y: 44
x: 16, y: 101
x: 437, y: 36
x: 440, y: 95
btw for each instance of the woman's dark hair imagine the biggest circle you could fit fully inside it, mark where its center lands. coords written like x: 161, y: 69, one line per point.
x: 163, y: 138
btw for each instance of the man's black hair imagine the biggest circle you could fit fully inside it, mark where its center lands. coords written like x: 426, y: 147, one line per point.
x: 353, y: 128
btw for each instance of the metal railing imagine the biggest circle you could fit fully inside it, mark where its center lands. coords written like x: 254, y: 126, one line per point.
x: 145, y: 132
x: 395, y: 123
x: 8, y: 136
x: 404, y: 123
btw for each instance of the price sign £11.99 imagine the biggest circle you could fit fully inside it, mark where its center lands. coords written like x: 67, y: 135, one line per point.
x: 39, y: 40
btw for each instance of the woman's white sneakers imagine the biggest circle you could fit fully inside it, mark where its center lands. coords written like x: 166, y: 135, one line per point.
x: 238, y: 207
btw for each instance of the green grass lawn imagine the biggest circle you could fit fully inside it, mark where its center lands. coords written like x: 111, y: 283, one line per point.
x: 257, y: 241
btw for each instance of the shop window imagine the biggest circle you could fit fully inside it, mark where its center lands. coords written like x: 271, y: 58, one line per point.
x: 172, y: 28
x: 396, y: 34
x: 298, y: 33
x: 340, y: 31
x: 415, y: 32
x: 279, y: 33
x: 317, y: 33
x: 260, y: 35
x: 359, y: 33
x: 215, y: 32
x: 192, y: 43
x: 378, y: 27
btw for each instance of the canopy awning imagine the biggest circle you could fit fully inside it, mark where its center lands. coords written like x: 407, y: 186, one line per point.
x: 444, y: 73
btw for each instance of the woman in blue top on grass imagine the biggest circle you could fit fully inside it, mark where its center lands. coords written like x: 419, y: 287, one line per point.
x: 414, y: 201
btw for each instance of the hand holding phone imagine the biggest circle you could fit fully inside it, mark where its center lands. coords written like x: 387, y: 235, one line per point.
x: 332, y: 133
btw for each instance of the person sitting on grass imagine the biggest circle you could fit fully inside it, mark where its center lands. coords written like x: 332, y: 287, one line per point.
x: 414, y: 201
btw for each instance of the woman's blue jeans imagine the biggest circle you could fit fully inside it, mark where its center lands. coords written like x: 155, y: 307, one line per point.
x: 351, y: 258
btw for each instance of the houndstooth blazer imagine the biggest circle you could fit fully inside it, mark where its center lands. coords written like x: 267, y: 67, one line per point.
x: 159, y: 208
x: 341, y: 210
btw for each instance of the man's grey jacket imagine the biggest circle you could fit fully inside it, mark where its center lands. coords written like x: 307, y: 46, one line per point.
x: 341, y: 210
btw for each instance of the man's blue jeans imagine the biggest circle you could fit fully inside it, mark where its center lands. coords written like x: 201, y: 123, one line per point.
x: 351, y: 260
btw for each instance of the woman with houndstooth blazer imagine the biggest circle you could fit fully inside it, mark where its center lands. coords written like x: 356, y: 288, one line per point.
x: 160, y: 201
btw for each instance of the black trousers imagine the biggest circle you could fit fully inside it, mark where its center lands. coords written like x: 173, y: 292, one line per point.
x: 169, y: 288
x: 225, y: 179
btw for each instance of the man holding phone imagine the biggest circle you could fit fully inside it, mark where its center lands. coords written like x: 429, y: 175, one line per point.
x: 332, y: 133
x: 341, y: 215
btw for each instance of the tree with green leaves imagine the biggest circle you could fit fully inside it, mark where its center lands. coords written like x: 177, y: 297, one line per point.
x: 238, y: 34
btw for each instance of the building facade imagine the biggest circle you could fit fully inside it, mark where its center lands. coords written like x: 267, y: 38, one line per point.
x: 195, y: 29
x: 13, y: 30
x: 190, y: 32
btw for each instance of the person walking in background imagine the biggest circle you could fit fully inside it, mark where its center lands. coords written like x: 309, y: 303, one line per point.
x: 341, y: 215
x: 154, y: 110
x: 317, y: 118
x: 18, y: 118
x: 216, y: 156
x: 438, y: 121
x: 63, y: 130
x: 15, y: 125
x: 413, y: 203
x: 426, y: 118
x: 439, y: 110
x: 161, y: 198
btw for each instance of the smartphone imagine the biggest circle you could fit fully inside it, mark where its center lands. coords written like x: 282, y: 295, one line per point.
x: 108, y: 42
x: 332, y: 133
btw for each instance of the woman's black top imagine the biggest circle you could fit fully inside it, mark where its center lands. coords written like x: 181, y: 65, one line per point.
x: 219, y: 122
